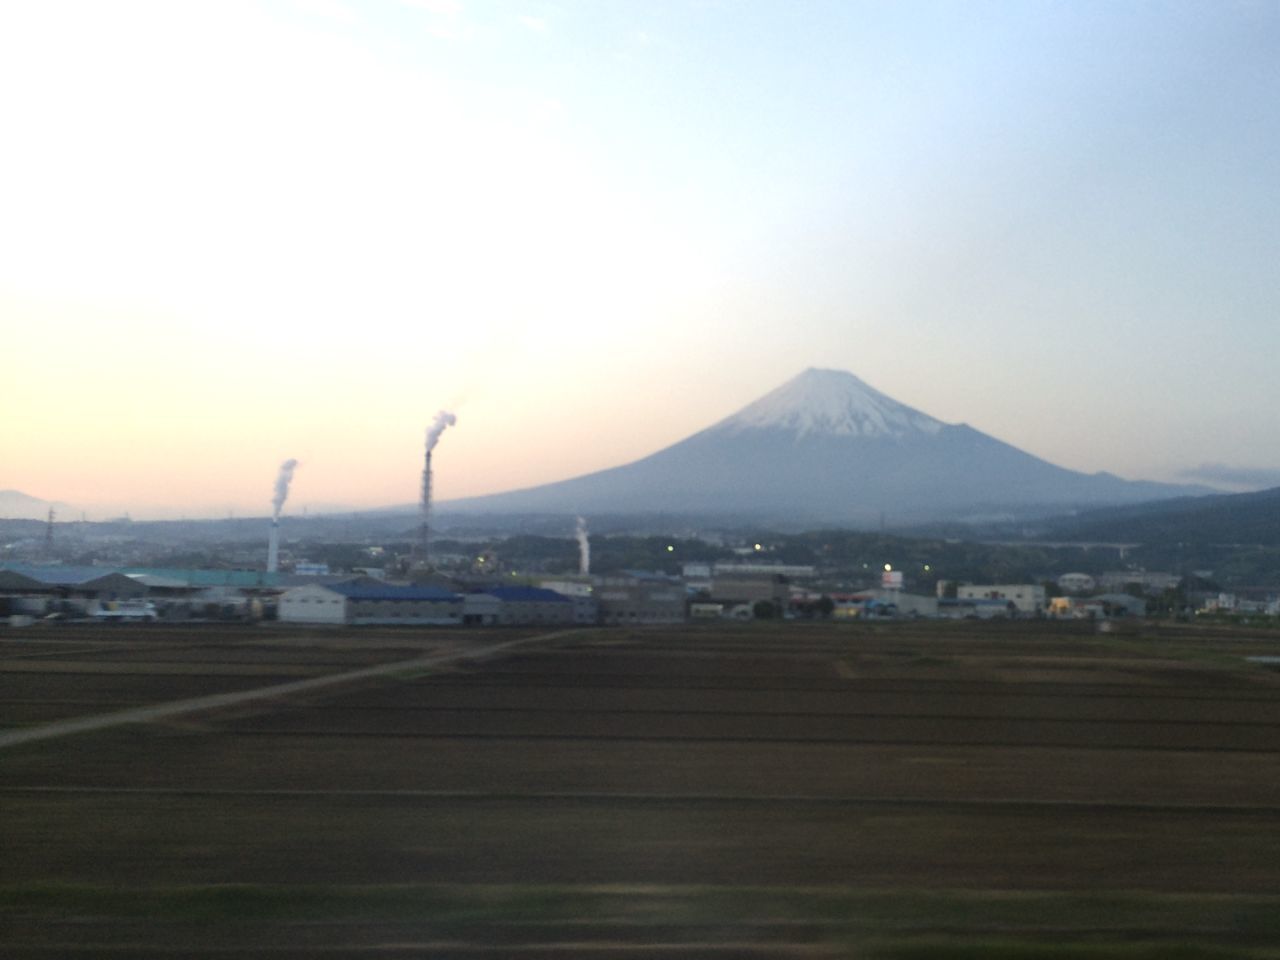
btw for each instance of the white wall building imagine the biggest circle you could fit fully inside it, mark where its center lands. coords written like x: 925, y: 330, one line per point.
x: 312, y: 604
x: 1027, y: 598
x: 378, y: 603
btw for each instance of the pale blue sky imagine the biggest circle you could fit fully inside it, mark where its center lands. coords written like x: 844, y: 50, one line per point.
x: 595, y: 228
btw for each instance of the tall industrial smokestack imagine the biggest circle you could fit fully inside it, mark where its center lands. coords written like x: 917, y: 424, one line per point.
x: 273, y: 547
x: 283, y: 479
x: 584, y: 548
x: 443, y: 419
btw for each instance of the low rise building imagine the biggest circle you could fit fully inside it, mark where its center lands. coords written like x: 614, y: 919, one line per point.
x: 71, y: 590
x: 1024, y: 599
x: 1149, y: 581
x: 1098, y: 607
x: 370, y: 603
x: 532, y: 606
x: 739, y: 569
x: 750, y: 588
x: 907, y: 604
x: 639, y: 600
x: 1076, y: 583
x: 950, y: 608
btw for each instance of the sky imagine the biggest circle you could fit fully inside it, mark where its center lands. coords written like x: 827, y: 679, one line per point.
x: 233, y: 233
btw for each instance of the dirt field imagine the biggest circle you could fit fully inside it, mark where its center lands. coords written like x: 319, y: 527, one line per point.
x: 811, y: 790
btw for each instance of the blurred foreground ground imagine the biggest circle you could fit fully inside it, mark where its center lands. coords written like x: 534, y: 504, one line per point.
x: 896, y: 790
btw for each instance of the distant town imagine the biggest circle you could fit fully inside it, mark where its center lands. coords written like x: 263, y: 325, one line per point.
x: 145, y: 572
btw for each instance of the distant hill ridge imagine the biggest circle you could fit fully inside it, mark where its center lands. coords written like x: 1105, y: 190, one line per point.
x: 827, y: 447
x: 1237, y: 518
x: 16, y: 505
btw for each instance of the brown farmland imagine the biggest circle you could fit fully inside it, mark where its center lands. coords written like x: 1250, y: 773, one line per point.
x: 806, y: 789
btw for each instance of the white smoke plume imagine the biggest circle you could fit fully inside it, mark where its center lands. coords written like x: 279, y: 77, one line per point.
x: 443, y: 419
x: 584, y: 548
x: 283, y: 479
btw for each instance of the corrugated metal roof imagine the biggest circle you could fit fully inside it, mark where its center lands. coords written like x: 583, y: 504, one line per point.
x: 62, y: 576
x: 152, y: 581
x: 362, y: 591
x: 527, y: 595
x: 210, y: 578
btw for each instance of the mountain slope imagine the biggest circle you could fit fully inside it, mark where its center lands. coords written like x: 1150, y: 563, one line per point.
x: 1237, y: 518
x: 16, y: 505
x: 826, y: 446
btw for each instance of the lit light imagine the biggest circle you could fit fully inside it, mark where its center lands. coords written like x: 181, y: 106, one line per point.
x: 927, y: 568
x: 758, y: 547
x: 670, y: 548
x: 479, y: 559
x: 888, y: 567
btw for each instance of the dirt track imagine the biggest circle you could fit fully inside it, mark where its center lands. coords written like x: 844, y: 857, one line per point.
x: 1010, y: 758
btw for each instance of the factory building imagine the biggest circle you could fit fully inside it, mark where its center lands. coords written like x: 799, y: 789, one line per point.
x: 1026, y: 599
x: 525, y: 606
x: 638, y: 600
x: 370, y: 603
x: 742, y: 588
x: 40, y: 590
x: 582, y: 592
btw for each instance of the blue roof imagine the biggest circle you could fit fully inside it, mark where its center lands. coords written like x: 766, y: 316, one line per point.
x: 386, y: 591
x: 527, y: 595
x: 651, y: 575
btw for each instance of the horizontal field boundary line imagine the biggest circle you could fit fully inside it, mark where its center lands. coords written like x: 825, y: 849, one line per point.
x: 416, y: 949
x: 116, y: 669
x: 64, y: 702
x: 844, y: 687
x: 1012, y: 688
x: 175, y: 708
x: 793, y: 741
x: 775, y: 714
x: 560, y: 796
x: 184, y: 667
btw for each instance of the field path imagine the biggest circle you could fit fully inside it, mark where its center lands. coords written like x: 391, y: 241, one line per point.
x: 175, y: 708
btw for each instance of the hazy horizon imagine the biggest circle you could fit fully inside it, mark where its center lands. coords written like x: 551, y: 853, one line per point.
x: 246, y: 232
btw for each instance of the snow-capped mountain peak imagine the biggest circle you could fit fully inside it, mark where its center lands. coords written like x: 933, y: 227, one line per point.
x: 830, y: 402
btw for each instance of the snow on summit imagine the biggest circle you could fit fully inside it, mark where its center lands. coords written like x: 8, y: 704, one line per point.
x: 830, y: 402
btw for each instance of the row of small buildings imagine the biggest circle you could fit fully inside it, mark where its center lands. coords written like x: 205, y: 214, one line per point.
x: 370, y: 602
x: 734, y: 591
x: 34, y: 591
x: 636, y: 599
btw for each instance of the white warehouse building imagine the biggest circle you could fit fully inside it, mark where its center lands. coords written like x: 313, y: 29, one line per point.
x: 360, y: 603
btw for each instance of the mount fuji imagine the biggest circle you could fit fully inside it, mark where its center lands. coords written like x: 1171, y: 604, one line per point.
x: 827, y: 447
